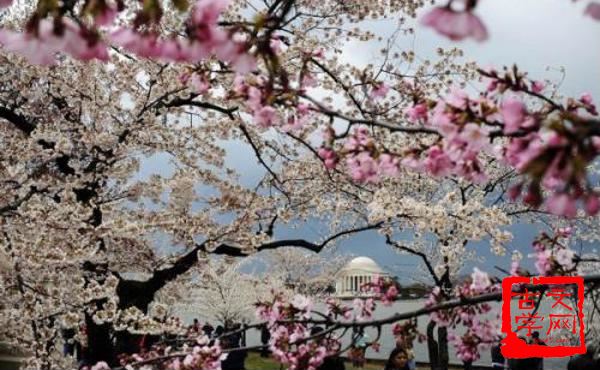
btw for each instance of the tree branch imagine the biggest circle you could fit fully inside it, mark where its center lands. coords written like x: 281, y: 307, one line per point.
x: 257, y: 152
x: 423, y: 256
x: 19, y: 121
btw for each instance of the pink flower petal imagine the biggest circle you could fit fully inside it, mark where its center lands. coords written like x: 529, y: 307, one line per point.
x: 593, y: 10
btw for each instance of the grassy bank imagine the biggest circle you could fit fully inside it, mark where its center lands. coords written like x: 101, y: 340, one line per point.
x: 255, y: 362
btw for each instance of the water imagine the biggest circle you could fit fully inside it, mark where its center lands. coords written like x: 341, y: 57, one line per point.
x: 387, y: 341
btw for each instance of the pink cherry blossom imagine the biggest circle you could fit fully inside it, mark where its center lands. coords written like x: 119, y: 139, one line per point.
x: 592, y: 205
x: 37, y: 50
x: 363, y: 168
x: 308, y: 81
x: 208, y: 11
x: 537, y: 87
x: 520, y: 152
x: 475, y: 136
x: 254, y: 98
x: 417, y: 112
x: 243, y: 62
x: 455, y: 25
x: 593, y: 10
x: 413, y: 162
x: 457, y: 98
x: 564, y: 232
x: 492, y: 85
x: 177, y: 50
x: 562, y: 205
x: 588, y: 103
x: 365, y: 308
x: 301, y: 302
x: 199, y: 83
x: 176, y: 364
x: 329, y: 157
x: 514, y: 115
x: 379, y: 90
x: 389, y: 165
x: 276, y: 45
x: 266, y: 116
x: 42, y: 47
x: 5, y: 3
x: 442, y: 121
x: 142, y: 45
x: 437, y: 162
x: 106, y: 16
x: 586, y: 99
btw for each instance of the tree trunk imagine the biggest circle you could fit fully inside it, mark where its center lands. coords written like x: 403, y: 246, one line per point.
x: 432, y: 346
x: 99, y: 345
x: 443, y: 348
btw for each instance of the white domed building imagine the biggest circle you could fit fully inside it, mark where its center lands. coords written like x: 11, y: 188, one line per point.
x: 359, y: 271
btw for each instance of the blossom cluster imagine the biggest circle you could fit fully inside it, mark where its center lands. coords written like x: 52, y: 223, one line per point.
x: 43, y: 38
x: 551, y: 148
x: 460, y: 24
x: 291, y: 342
x: 262, y: 104
x: 383, y: 288
x: 200, y: 354
x: 405, y: 333
x: 479, y: 332
x: 552, y: 254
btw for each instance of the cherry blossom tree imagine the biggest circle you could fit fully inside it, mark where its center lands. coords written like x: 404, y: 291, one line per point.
x: 222, y: 293
x: 301, y: 271
x: 93, y: 91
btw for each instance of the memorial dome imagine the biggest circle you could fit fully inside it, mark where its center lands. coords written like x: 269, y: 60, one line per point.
x: 358, y: 272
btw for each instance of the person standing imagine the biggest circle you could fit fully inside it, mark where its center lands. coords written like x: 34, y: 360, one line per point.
x: 265, y: 336
x: 406, y: 344
x: 359, y: 338
x: 195, y: 329
x: 208, y: 329
x: 498, y: 360
x: 538, y: 362
x: 588, y: 361
x: 236, y: 358
x: 398, y: 360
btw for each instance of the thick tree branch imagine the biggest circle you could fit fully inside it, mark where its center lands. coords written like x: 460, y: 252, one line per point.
x: 393, y: 127
x: 141, y: 293
x: 20, y: 122
x: 180, y: 102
